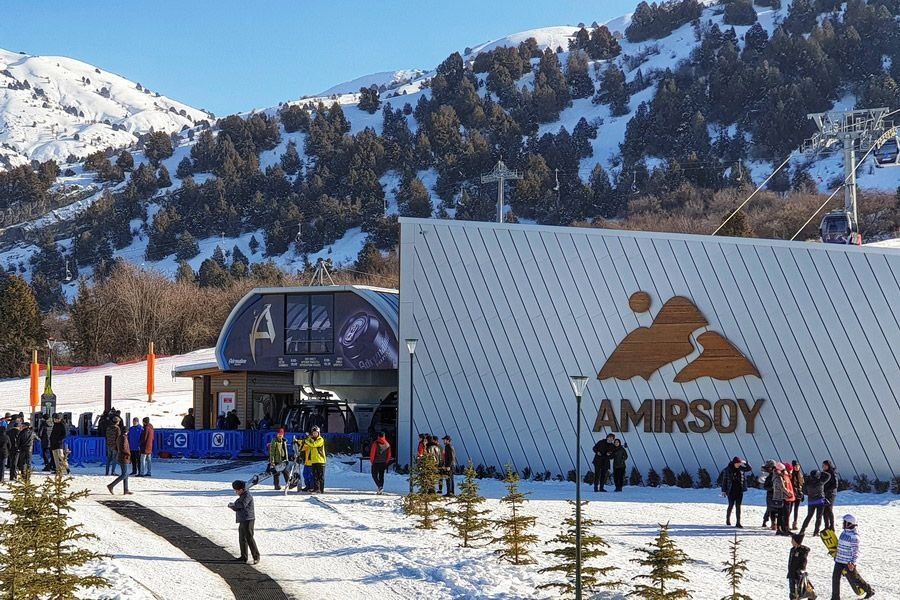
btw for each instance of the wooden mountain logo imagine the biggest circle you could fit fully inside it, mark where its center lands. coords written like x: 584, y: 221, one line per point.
x: 647, y: 349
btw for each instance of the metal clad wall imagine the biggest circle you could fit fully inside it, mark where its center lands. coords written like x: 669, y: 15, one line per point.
x: 504, y: 313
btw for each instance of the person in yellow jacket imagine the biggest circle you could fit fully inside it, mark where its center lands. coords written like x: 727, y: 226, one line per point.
x: 314, y: 447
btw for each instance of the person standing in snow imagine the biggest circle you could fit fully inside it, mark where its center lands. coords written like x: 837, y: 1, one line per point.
x: 4, y: 451
x: 798, y: 482
x: 603, y: 451
x: 797, y: 560
x: 245, y: 517
x: 278, y: 456
x: 449, y: 465
x: 379, y: 457
x: 831, y: 489
x: 58, y: 445
x: 26, y: 448
x: 779, y: 495
x: 43, y: 432
x: 619, y: 463
x: 846, y: 561
x: 122, y: 452
x: 433, y: 449
x: 789, y: 497
x: 815, y: 497
x: 111, y: 431
x: 146, y: 448
x: 423, y: 442
x: 188, y: 421
x: 314, y: 447
x: 134, y: 442
x: 734, y: 484
x: 13, y: 459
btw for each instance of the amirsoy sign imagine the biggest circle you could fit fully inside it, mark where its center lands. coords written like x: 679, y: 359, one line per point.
x: 647, y: 349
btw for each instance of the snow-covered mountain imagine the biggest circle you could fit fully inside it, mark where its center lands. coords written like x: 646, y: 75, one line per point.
x: 53, y: 107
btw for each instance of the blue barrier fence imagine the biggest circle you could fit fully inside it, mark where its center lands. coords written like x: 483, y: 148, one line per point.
x: 200, y: 443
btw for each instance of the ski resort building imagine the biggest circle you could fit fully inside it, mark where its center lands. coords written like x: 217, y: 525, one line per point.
x: 697, y: 349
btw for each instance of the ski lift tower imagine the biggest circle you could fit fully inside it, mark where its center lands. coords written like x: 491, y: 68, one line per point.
x: 853, y: 129
x: 500, y: 173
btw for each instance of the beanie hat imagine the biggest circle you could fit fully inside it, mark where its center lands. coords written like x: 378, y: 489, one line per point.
x: 779, y: 466
x: 848, y: 518
x: 788, y: 468
x: 797, y: 537
x: 736, y: 459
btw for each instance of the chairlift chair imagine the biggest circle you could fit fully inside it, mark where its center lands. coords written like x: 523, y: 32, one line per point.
x: 838, y: 227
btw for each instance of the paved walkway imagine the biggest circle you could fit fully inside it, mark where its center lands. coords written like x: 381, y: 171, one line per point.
x: 245, y: 582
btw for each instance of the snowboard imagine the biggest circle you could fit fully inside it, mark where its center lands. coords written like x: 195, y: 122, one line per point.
x: 295, y: 475
x: 269, y: 472
x: 830, y: 539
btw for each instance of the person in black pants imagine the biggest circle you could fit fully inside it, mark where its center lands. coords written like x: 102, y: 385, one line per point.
x: 448, y: 465
x: 830, y: 490
x: 619, y: 459
x: 603, y: 451
x: 379, y: 457
x: 12, y: 433
x: 245, y: 517
x: 815, y: 496
x: 734, y: 484
x: 4, y: 453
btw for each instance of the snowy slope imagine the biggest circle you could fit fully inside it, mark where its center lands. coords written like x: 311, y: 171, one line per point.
x: 389, y: 79
x: 53, y: 107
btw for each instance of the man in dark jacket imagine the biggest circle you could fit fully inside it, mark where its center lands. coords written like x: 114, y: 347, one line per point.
x: 830, y: 490
x: 111, y: 432
x: 188, y: 421
x: 380, y: 458
x: 734, y: 484
x: 448, y: 465
x: 58, y: 445
x: 43, y: 432
x: 603, y: 452
x: 13, y: 459
x: 797, y: 566
x: 4, y: 452
x: 122, y: 453
x: 26, y: 447
x: 245, y: 516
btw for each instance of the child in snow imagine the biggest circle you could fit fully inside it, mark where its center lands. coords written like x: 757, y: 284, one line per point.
x: 796, y: 576
x: 245, y: 516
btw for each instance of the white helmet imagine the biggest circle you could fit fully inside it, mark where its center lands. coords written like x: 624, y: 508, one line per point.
x: 315, y: 429
x: 848, y: 518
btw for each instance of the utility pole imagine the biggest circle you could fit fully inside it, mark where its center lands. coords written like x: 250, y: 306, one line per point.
x: 852, y: 129
x: 500, y: 173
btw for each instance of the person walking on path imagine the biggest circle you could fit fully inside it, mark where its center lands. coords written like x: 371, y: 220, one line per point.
x: 797, y: 560
x: 603, y: 451
x: 379, y: 457
x: 26, y: 448
x: 146, y: 448
x: 111, y: 432
x: 448, y: 465
x: 134, y: 442
x: 122, y: 452
x: 245, y: 517
x: 815, y: 498
x: 619, y: 463
x: 734, y: 484
x: 278, y: 457
x: 58, y: 445
x: 188, y: 421
x: 798, y: 481
x: 831, y: 489
x: 314, y: 447
x: 846, y: 561
x: 4, y: 452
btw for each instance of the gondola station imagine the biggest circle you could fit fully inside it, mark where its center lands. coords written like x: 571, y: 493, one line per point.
x: 697, y: 349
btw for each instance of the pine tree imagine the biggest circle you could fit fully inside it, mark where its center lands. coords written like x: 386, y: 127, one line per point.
x: 735, y: 570
x: 413, y: 198
x: 157, y: 147
x: 663, y: 558
x: 580, y: 83
x: 185, y: 168
x: 253, y: 244
x: 290, y: 160
x: 21, y: 328
x: 515, y: 538
x: 591, y: 547
x: 369, y: 100
x: 614, y: 91
x: 65, y: 542
x: 163, y: 180
x: 23, y: 550
x: 125, y: 161
x: 737, y: 226
x: 185, y: 274
x: 421, y: 503
x: 467, y: 520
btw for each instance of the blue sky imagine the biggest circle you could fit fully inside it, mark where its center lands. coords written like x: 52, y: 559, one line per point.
x: 228, y: 56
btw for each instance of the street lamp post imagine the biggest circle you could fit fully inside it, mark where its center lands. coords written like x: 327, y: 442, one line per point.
x: 579, y: 382
x: 411, y: 346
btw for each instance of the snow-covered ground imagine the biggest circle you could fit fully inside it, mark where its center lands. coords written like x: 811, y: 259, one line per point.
x: 81, y: 389
x: 350, y: 543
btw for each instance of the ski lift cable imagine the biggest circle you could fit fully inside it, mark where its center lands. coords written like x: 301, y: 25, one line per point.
x: 834, y: 193
x: 750, y: 197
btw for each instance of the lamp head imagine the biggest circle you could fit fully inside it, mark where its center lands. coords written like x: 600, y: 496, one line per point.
x: 579, y: 383
x: 411, y: 345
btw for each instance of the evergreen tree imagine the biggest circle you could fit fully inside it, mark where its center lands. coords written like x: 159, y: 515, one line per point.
x: 801, y: 17
x: 422, y: 502
x: 290, y: 160
x: 735, y: 570
x: 253, y: 244
x: 592, y: 547
x: 580, y: 83
x: 48, y: 292
x: 294, y: 118
x: 369, y: 99
x: 466, y: 518
x: 21, y: 329
x: 125, y: 161
x: 185, y: 274
x: 65, y: 542
x: 218, y: 256
x: 740, y: 12
x: 157, y: 147
x: 185, y: 168
x: 162, y: 178
x: 23, y: 550
x: 603, y: 46
x: 186, y: 247
x: 614, y: 91
x: 515, y: 528
x: 662, y: 558
x: 212, y: 274
x: 413, y: 198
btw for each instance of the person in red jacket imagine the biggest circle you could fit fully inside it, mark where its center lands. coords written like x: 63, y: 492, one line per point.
x: 146, y: 448
x: 420, y: 451
x: 380, y: 457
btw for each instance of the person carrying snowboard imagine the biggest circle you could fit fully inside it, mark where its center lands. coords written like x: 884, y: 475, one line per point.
x: 379, y: 457
x: 245, y: 517
x: 734, y: 484
x: 845, y: 561
x: 278, y: 457
x: 798, y: 583
x: 314, y: 447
